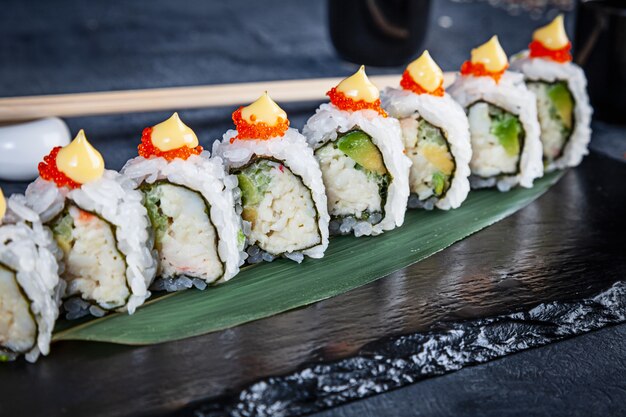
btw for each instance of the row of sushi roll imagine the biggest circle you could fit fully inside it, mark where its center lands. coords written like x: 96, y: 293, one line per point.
x: 94, y: 240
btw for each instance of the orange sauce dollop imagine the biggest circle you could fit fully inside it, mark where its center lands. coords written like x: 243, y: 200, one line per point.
x: 346, y: 103
x: 408, y: 83
x: 147, y: 149
x: 257, y: 130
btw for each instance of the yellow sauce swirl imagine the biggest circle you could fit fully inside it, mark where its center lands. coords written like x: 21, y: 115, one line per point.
x: 491, y: 55
x: 425, y: 72
x: 359, y: 87
x: 80, y: 161
x: 552, y: 36
x: 3, y: 206
x: 173, y: 134
x: 263, y: 110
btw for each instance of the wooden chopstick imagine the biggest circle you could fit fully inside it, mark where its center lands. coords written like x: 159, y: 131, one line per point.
x: 16, y: 109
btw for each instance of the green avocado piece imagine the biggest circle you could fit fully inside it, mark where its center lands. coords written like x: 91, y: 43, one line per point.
x: 438, y: 182
x: 563, y: 102
x: 359, y: 146
x: 254, y: 181
x: 431, y: 133
x: 62, y: 228
x: 507, y: 128
x: 158, y: 219
x: 250, y: 193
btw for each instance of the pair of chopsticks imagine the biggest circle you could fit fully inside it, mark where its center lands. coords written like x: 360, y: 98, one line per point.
x: 16, y: 109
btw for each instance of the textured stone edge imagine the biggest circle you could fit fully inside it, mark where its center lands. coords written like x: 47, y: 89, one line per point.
x: 398, y: 361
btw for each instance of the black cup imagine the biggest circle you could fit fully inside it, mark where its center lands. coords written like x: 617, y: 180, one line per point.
x: 378, y: 32
x: 601, y: 51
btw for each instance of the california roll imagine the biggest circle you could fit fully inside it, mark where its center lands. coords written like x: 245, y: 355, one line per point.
x: 502, y: 114
x: 436, y: 136
x: 191, y: 204
x: 283, y: 198
x: 98, y: 220
x: 562, y: 101
x: 30, y: 288
x: 361, y: 155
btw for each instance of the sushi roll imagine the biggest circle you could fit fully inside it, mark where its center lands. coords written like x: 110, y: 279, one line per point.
x: 562, y: 101
x: 30, y: 288
x: 190, y: 202
x: 502, y: 114
x: 284, y: 204
x: 435, y: 132
x: 97, y: 219
x: 361, y: 155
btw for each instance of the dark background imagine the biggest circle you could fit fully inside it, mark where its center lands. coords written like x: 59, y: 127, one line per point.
x: 69, y: 46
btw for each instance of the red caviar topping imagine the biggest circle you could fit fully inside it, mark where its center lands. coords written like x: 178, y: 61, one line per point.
x: 340, y: 100
x: 408, y: 83
x: 261, y: 130
x: 479, y: 70
x: 537, y: 50
x: 48, y: 170
x: 147, y: 149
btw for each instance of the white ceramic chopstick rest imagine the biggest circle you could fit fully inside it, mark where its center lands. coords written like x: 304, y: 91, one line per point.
x: 23, y: 146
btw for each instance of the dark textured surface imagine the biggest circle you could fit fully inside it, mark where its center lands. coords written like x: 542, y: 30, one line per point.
x: 568, y: 245
x: 578, y: 377
x: 399, y: 361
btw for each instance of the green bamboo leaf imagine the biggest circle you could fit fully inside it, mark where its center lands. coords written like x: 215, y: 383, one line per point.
x: 268, y: 289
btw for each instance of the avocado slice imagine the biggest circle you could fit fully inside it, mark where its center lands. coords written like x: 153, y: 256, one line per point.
x: 563, y: 102
x: 250, y: 193
x: 254, y: 181
x: 359, y: 146
x: 159, y: 221
x: 249, y: 214
x: 438, y: 183
x: 507, y: 128
x: 431, y: 133
x: 62, y: 228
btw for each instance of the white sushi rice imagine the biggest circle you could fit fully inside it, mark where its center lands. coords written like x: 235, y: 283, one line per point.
x: 115, y: 199
x: 189, y: 244
x: 539, y: 69
x: 511, y: 95
x: 446, y: 114
x: 285, y: 219
x: 354, y: 192
x: 30, y: 251
x: 94, y: 238
x: 293, y: 152
x: 208, y: 177
x: 328, y: 121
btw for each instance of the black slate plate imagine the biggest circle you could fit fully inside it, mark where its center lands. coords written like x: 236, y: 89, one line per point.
x: 567, y: 246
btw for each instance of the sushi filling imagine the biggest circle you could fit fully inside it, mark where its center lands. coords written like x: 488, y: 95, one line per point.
x: 94, y: 267
x: 433, y: 164
x: 497, y: 140
x: 279, y: 208
x: 355, y: 177
x: 186, y: 239
x: 18, y: 328
x: 555, y: 109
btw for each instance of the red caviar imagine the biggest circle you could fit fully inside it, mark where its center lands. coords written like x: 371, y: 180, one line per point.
x: 147, y: 149
x: 344, y: 102
x: 260, y: 130
x: 537, y: 50
x: 48, y: 170
x: 408, y: 83
x: 479, y: 70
